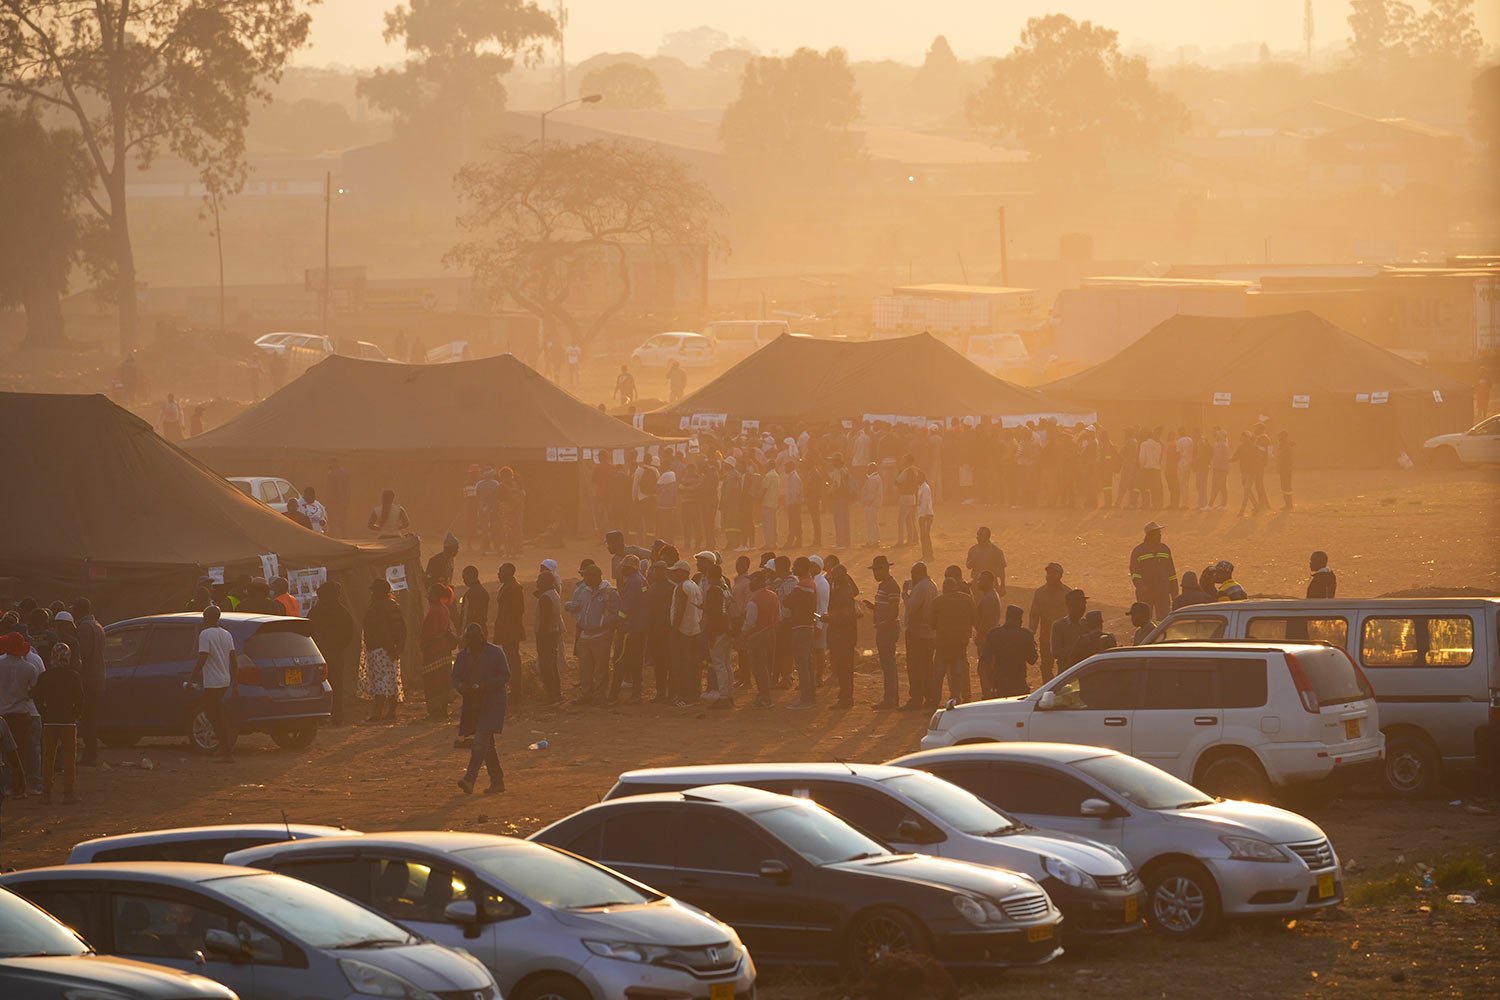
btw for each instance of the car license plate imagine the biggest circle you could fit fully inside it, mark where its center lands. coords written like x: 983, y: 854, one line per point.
x: 1351, y: 729
x: 1325, y: 886
x: 294, y: 676
x: 1035, y: 934
x: 1132, y: 910
x: 721, y: 991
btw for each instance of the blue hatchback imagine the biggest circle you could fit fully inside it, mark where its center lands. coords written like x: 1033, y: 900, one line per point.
x: 283, y: 680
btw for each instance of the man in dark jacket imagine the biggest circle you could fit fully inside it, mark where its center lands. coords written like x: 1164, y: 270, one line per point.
x: 1008, y: 651
x: 886, y: 609
x: 510, y: 615
x: 1067, y: 631
x: 474, y: 606
x: 1324, y: 584
x: 1140, y: 618
x: 91, y: 675
x: 481, y: 674
x: 1152, y: 571
x: 952, y: 617
x: 987, y: 608
x: 634, y: 622
x: 843, y: 629
x: 333, y: 631
x: 59, y: 698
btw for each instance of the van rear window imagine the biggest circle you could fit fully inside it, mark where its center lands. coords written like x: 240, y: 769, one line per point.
x: 1417, y: 641
x: 1332, y: 676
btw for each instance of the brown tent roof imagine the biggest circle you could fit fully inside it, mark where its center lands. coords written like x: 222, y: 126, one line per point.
x: 351, y: 407
x: 809, y: 380
x: 1190, y: 358
x: 95, y: 484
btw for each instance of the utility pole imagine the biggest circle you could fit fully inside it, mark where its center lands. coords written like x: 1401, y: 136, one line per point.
x: 1004, y: 257
x: 562, y: 51
x: 327, y: 219
x: 213, y: 195
x: 1307, y: 29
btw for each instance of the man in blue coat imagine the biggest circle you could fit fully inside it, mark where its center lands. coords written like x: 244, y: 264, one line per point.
x: 481, y: 674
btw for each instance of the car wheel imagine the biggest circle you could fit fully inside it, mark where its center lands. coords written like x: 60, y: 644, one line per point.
x: 1446, y: 457
x: 1182, y: 900
x: 201, y: 735
x: 552, y: 987
x: 1235, y: 776
x: 295, y: 737
x: 883, y: 932
x: 120, y: 741
x: 1412, y: 765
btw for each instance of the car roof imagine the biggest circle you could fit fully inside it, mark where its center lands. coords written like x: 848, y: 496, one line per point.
x: 430, y: 840
x: 712, y: 774
x: 196, y: 618
x: 227, y: 831
x: 1055, y: 753
x: 1342, y: 604
x: 738, y: 797
x: 1213, y: 647
x: 159, y: 872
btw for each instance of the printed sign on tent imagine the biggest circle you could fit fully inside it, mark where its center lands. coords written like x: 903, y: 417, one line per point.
x: 551, y: 454
x: 694, y: 446
x: 1301, y: 402
x: 588, y: 454
x: 270, y: 566
x: 638, y: 421
x: 619, y: 456
x: 1377, y: 398
x: 567, y: 454
x: 304, y: 584
x: 216, y: 574
x: 1222, y: 398
x: 396, y: 577
x: 1437, y: 395
x: 704, y: 421
x: 748, y: 427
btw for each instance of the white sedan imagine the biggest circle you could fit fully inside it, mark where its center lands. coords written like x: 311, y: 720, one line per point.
x: 690, y: 350
x: 1202, y: 858
x: 289, y: 345
x: 1479, y: 444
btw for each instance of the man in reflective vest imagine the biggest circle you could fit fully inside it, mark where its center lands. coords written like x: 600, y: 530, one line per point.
x: 1153, y: 573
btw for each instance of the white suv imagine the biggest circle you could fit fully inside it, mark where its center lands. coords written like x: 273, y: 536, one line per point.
x: 1235, y: 719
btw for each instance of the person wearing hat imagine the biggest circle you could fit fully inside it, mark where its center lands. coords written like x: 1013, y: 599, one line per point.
x: 1067, y: 631
x: 886, y: 609
x: 548, y: 631
x: 630, y: 657
x: 1007, y: 652
x: 1153, y: 573
x: 482, y: 674
x: 919, y: 592
x: 1140, y: 618
x: 595, y: 608
x: 384, y: 629
x: 871, y: 499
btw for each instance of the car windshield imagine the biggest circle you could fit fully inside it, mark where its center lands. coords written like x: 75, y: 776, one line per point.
x: 818, y: 835
x: 1147, y: 786
x: 26, y: 930
x: 553, y: 878
x: 960, y: 809
x: 312, y: 915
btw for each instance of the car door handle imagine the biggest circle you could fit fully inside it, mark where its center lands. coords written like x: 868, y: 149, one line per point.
x: 1206, y: 720
x: 1114, y: 720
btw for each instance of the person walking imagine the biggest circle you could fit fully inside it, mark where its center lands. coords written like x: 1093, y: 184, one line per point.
x: 384, y: 629
x: 1048, y: 605
x: 871, y: 499
x: 925, y: 512
x: 1005, y: 656
x: 549, y: 629
x: 1153, y: 573
x: 333, y: 632
x: 985, y: 556
x: 214, y: 675
x: 91, y: 673
x: 482, y: 674
x: 1141, y: 621
x: 843, y: 631
x: 918, y: 593
x: 1067, y: 631
x: 595, y: 608
x: 886, y: 609
x: 676, y: 381
x: 625, y: 390
x: 1324, y: 583
x: 953, y: 617
x: 634, y: 613
x: 510, y: 615
x: 59, y: 702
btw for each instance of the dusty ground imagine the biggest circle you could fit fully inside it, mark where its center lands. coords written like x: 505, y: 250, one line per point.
x: 1385, y: 531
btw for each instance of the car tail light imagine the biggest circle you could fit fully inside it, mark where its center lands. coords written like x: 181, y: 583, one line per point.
x: 249, y: 673
x: 1305, y: 689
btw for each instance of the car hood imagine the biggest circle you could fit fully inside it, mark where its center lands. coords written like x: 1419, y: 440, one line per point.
x: 1077, y: 851
x: 1441, y: 439
x: 669, y: 923
x: 136, y: 979
x: 429, y: 966
x: 1251, y: 819
x: 995, y: 883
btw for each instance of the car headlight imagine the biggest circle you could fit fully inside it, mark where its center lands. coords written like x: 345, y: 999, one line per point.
x: 627, y: 951
x: 376, y: 982
x: 1250, y: 849
x: 1069, y: 874
x: 978, y: 911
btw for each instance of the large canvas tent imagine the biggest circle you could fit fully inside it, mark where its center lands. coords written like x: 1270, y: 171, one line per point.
x: 1343, y: 400
x: 416, y: 429
x: 803, y: 380
x: 103, y: 508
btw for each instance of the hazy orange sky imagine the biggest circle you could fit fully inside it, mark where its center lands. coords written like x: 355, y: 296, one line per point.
x: 348, y: 31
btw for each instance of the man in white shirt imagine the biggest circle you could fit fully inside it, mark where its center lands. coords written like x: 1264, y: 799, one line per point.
x: 316, y: 513
x: 871, y: 496
x: 924, y: 513
x: 1185, y: 469
x: 822, y: 590
x: 1150, y: 454
x: 687, y: 623
x: 214, y: 671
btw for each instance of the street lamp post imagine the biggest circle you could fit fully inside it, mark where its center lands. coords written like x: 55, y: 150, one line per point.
x: 585, y: 99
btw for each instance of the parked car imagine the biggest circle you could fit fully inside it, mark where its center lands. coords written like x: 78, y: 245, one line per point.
x: 442, y: 354
x: 549, y: 925
x: 1094, y: 886
x: 1201, y: 858
x: 1479, y: 444
x: 1235, y: 719
x: 366, y: 350
x: 690, y: 350
x: 272, y: 491
x: 282, y: 677
x: 737, y: 339
x: 1434, y: 664
x: 309, y: 346
x: 206, y: 844
x: 41, y: 959
x: 265, y: 936
x: 802, y: 886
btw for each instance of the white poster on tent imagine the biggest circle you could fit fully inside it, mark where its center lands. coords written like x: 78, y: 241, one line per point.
x: 748, y: 427
x: 216, y: 574
x: 619, y: 456
x: 1437, y: 395
x: 552, y: 454
x: 304, y: 584
x: 707, y: 421
x: 1223, y: 398
x: 638, y: 421
x: 694, y: 445
x: 396, y: 577
x: 270, y: 566
x: 566, y: 454
x: 1301, y: 402
x: 588, y: 454
x: 1379, y: 398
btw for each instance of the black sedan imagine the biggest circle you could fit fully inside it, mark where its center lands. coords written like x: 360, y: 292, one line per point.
x: 801, y: 886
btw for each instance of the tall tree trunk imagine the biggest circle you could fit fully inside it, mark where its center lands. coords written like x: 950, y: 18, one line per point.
x: 44, y: 319
x: 124, y: 255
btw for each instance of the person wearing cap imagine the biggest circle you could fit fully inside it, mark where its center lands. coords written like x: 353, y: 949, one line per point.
x: 510, y: 615
x: 1140, y: 618
x: 630, y: 657
x: 1067, y: 631
x: 482, y: 674
x: 67, y: 632
x: 549, y: 628
x: 595, y: 608
x: 384, y: 629
x: 687, y: 626
x: 1153, y: 572
x: 886, y: 609
x: 1007, y: 651
x: 871, y: 499
x: 919, y: 592
x: 953, y: 616
x: 986, y: 556
x: 1229, y: 587
x: 281, y: 594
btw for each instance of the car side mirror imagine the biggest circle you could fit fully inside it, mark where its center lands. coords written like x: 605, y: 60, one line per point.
x: 1047, y: 701
x: 222, y: 944
x: 776, y: 871
x: 909, y: 831
x: 1097, y: 808
x: 462, y: 911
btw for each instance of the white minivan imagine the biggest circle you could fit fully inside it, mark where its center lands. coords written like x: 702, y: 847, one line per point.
x: 736, y: 339
x: 1434, y: 664
x: 1235, y: 719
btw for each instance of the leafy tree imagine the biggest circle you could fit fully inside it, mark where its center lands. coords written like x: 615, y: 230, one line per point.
x: 625, y: 85
x: 43, y: 174
x: 693, y: 45
x: 1385, y: 31
x: 1381, y: 27
x: 1072, y: 97
x: 792, y: 117
x: 1449, y: 32
x: 938, y: 87
x: 544, y: 222
x: 139, y: 78
x: 458, y: 55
